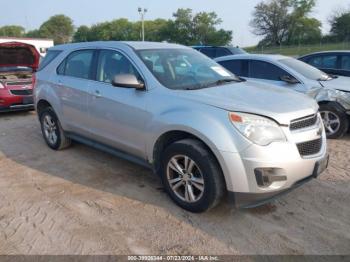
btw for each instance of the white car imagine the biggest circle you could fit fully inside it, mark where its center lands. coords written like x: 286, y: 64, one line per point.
x: 331, y: 92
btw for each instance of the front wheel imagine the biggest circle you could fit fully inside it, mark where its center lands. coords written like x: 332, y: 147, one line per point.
x: 335, y: 120
x: 191, y: 175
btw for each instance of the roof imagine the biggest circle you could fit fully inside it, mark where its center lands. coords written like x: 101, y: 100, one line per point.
x: 138, y: 45
x: 252, y: 56
x: 327, y: 52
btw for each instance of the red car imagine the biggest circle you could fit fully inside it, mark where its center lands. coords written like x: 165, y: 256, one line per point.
x: 18, y: 62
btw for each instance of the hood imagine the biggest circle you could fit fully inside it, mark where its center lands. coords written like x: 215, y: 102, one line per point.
x: 340, y: 83
x: 18, y: 54
x: 275, y: 102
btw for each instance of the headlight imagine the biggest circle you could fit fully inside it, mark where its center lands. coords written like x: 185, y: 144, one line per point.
x: 260, y: 130
x: 1, y: 86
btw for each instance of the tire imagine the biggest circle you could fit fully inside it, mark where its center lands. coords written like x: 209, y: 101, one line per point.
x: 203, y: 173
x: 52, y: 130
x: 335, y: 120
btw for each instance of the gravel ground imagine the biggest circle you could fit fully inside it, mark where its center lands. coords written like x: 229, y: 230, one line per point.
x: 82, y: 201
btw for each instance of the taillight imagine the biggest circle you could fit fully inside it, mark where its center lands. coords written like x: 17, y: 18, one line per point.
x: 33, y: 80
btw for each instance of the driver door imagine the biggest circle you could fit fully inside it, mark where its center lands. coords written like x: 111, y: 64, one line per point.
x: 117, y: 114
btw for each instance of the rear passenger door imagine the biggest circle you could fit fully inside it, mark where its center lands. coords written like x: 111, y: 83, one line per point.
x: 118, y: 114
x: 72, y: 84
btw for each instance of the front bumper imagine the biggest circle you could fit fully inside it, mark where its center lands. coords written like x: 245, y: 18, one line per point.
x: 10, y: 102
x: 283, y: 162
x: 250, y: 200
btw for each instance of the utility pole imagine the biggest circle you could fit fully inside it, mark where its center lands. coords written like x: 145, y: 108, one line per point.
x: 142, y: 13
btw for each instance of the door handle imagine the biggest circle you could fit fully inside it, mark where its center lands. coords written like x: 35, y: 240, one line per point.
x: 97, y: 94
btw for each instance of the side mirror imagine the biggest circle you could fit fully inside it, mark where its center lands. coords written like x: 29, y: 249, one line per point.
x: 289, y: 79
x: 128, y: 81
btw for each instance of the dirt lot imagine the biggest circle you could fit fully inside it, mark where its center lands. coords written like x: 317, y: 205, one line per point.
x: 82, y: 201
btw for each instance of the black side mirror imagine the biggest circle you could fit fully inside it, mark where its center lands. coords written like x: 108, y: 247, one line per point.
x: 289, y: 79
x: 128, y: 81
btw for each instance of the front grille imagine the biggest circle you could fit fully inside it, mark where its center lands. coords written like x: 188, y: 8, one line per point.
x: 24, y: 92
x: 310, y: 147
x: 19, y: 83
x: 303, y: 122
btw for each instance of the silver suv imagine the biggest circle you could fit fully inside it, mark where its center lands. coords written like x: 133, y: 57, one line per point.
x: 204, y: 131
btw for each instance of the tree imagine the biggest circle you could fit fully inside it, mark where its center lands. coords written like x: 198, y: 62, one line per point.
x: 82, y: 34
x: 302, y: 29
x: 34, y: 33
x: 201, y: 28
x: 59, y: 27
x: 12, y: 31
x: 340, y: 26
x: 286, y: 22
x: 272, y: 21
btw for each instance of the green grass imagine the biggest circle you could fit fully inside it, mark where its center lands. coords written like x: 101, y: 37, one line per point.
x: 298, y: 50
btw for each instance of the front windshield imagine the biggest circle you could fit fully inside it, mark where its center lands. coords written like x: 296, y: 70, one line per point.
x: 184, y: 68
x: 306, y: 70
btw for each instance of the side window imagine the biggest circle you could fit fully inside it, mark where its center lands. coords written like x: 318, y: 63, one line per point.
x: 345, y: 62
x: 112, y: 63
x: 315, y: 61
x: 234, y: 66
x: 77, y: 64
x: 265, y: 70
x: 209, y: 51
x: 329, y: 62
x: 221, y: 51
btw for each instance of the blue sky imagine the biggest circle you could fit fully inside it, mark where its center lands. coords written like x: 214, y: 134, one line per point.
x: 234, y: 13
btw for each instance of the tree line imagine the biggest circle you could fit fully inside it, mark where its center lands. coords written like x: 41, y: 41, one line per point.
x: 279, y: 22
x: 185, y: 28
x: 289, y: 22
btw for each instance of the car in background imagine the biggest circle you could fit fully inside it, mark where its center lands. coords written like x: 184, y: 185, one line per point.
x: 332, y: 93
x: 204, y: 131
x: 331, y: 62
x: 18, y: 62
x: 218, y: 51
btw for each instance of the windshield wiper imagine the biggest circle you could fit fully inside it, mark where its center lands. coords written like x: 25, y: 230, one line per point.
x: 223, y: 81
x: 215, y: 83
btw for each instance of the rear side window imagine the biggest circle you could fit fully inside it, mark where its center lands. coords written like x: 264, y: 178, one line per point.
x: 265, y: 70
x: 235, y: 66
x: 345, y: 62
x: 77, y: 64
x: 50, y: 56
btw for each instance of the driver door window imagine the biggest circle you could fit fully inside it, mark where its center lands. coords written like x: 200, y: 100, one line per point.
x: 265, y: 70
x: 112, y: 63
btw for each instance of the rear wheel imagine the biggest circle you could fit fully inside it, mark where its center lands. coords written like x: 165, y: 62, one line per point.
x: 52, y: 130
x: 192, y: 176
x: 335, y: 120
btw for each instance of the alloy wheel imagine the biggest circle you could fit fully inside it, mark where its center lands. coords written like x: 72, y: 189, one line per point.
x: 50, y: 129
x: 331, y: 122
x: 185, y: 178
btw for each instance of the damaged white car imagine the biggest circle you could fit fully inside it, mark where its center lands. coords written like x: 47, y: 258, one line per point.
x: 331, y: 92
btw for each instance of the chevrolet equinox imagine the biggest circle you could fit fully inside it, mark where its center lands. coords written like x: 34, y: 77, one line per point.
x: 206, y: 132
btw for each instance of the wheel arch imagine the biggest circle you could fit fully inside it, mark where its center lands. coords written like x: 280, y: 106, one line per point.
x: 172, y: 136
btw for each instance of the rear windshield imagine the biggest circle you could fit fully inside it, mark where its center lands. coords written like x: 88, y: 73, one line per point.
x: 51, y: 55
